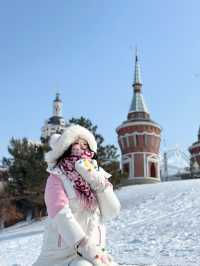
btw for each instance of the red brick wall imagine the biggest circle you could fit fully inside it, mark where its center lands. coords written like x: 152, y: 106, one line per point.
x: 153, y: 144
x: 138, y: 165
x: 139, y: 128
x: 195, y: 150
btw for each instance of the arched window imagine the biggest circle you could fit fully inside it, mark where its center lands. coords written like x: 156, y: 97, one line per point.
x: 126, y: 168
x: 137, y: 140
x: 152, y: 170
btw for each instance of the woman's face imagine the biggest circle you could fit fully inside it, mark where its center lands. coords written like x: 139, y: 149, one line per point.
x: 79, y: 146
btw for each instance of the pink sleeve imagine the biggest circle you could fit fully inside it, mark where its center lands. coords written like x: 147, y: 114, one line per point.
x: 55, y: 196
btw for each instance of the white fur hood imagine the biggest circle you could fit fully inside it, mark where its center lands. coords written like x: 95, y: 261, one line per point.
x: 60, y: 143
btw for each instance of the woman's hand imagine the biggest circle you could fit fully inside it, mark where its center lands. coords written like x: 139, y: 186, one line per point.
x: 95, y: 176
x: 94, y: 254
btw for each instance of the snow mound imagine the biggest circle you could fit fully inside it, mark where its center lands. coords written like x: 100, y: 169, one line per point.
x: 159, y: 225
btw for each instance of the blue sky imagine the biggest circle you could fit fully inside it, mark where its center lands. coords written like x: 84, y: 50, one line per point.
x: 83, y: 49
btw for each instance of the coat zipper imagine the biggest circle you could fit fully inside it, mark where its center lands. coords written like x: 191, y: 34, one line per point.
x: 99, y: 234
x: 59, y: 240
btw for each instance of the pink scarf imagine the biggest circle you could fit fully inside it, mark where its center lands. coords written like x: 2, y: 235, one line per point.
x: 82, y: 188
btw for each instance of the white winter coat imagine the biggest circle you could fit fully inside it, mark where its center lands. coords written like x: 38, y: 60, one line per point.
x: 72, y: 222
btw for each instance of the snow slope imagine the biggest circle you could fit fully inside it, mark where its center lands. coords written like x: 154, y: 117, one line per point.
x: 159, y: 224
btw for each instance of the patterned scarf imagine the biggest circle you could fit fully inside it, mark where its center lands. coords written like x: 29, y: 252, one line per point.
x: 83, y: 191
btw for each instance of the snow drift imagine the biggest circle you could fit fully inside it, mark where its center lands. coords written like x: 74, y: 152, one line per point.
x: 159, y: 224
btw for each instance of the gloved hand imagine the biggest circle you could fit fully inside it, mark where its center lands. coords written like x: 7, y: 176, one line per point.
x: 94, y: 254
x: 94, y: 175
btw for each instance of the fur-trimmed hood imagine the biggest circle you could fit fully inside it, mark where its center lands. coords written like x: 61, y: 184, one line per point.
x: 60, y: 143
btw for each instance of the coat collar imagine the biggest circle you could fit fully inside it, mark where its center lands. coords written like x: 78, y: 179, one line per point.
x: 55, y: 170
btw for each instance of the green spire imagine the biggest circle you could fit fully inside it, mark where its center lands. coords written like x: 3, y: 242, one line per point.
x: 137, y: 103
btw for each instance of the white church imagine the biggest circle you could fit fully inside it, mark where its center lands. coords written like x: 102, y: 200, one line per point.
x: 56, y: 123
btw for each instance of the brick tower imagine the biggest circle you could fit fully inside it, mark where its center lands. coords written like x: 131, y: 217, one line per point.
x: 194, y: 150
x: 139, y: 138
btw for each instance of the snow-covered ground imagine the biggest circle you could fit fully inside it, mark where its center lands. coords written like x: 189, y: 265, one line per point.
x: 159, y: 224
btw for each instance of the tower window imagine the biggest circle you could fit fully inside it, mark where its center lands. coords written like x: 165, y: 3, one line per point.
x: 126, y: 168
x: 152, y: 170
x: 137, y: 140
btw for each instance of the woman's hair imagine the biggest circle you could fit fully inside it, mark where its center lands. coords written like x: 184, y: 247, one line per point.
x: 68, y: 152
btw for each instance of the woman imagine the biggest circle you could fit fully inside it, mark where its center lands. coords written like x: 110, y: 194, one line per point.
x: 79, y: 198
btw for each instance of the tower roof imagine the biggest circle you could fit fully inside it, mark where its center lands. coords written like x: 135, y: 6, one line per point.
x: 137, y: 103
x: 57, y: 99
x: 56, y: 120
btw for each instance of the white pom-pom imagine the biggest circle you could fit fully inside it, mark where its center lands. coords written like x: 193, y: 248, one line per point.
x: 54, y: 138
